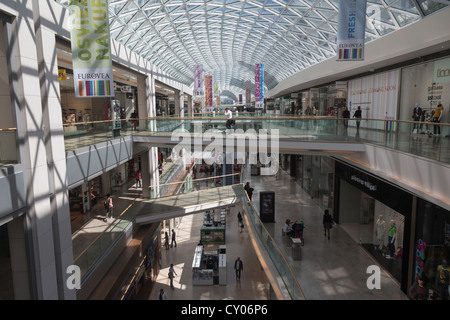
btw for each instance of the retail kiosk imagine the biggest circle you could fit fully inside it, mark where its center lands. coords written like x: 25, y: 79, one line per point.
x: 214, y: 228
x: 209, y: 266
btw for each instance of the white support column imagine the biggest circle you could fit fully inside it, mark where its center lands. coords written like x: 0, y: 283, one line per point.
x: 146, y: 100
x: 147, y: 108
x: 190, y: 106
x: 54, y: 146
x: 27, y: 101
x: 177, y: 100
x: 150, y: 173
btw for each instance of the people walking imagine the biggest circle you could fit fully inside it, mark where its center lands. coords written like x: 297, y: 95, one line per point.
x: 162, y: 295
x: 327, y: 223
x: 166, y: 240
x: 172, y: 274
x: 346, y: 116
x: 109, y: 207
x: 138, y: 179
x: 358, y: 116
x: 249, y: 190
x: 133, y: 120
x: 239, y: 267
x: 240, y: 221
x: 173, y: 239
x: 229, y: 116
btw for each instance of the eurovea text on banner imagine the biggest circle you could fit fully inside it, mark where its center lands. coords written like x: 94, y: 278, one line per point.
x: 351, y: 30
x: 91, y: 48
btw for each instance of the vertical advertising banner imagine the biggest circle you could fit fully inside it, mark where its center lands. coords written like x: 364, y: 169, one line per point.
x: 261, y: 82
x: 257, y: 82
x: 240, y: 98
x: 351, y: 30
x: 198, y: 80
x: 248, y: 92
x: 91, y: 48
x: 209, y: 91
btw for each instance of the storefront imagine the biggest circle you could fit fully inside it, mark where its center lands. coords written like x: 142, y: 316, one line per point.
x: 162, y: 105
x: 432, y: 246
x: 374, y: 213
x: 315, y: 174
x: 377, y: 96
x: 97, y: 108
x: 426, y: 85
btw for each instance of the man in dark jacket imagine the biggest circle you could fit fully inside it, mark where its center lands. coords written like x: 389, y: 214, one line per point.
x: 249, y: 190
x: 358, y: 116
x: 346, y: 116
x: 239, y: 267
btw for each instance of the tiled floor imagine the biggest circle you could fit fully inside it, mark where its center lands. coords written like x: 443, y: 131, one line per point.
x: 328, y: 269
x: 252, y: 286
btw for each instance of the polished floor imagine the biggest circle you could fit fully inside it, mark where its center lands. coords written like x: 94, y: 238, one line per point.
x: 334, y: 269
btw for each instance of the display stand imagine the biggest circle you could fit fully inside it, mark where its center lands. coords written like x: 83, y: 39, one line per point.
x: 212, y: 235
x: 222, y: 265
x: 214, y: 227
x: 296, y: 248
x: 200, y: 276
x: 209, y: 267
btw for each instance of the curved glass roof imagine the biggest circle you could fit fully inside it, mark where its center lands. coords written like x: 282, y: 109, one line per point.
x: 228, y: 37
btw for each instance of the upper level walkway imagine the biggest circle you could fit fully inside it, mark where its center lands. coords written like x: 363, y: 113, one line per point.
x: 289, y: 134
x: 155, y: 210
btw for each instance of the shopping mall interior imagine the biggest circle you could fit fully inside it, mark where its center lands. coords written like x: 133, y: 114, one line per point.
x: 123, y: 189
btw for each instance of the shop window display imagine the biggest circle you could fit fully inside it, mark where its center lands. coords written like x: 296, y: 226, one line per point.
x: 432, y: 251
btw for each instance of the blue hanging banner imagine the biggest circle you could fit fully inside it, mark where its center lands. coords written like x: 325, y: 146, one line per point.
x: 351, y: 30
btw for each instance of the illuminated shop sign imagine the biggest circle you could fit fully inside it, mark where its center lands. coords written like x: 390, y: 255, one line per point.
x: 442, y: 71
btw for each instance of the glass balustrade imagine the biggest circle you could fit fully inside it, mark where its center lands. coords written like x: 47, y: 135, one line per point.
x: 274, y: 252
x: 8, y: 147
x: 426, y: 139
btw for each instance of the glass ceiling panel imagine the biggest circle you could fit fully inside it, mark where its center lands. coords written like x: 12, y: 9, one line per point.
x: 228, y: 37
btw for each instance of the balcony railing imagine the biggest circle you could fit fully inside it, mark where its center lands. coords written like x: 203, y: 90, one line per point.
x: 8, y: 147
x: 417, y: 138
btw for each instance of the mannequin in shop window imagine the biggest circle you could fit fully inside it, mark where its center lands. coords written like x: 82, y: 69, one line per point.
x: 391, y: 239
x: 443, y: 280
x: 380, y: 232
x: 417, y: 113
x: 437, y: 118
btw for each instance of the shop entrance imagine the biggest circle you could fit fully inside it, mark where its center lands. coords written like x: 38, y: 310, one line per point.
x: 375, y: 226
